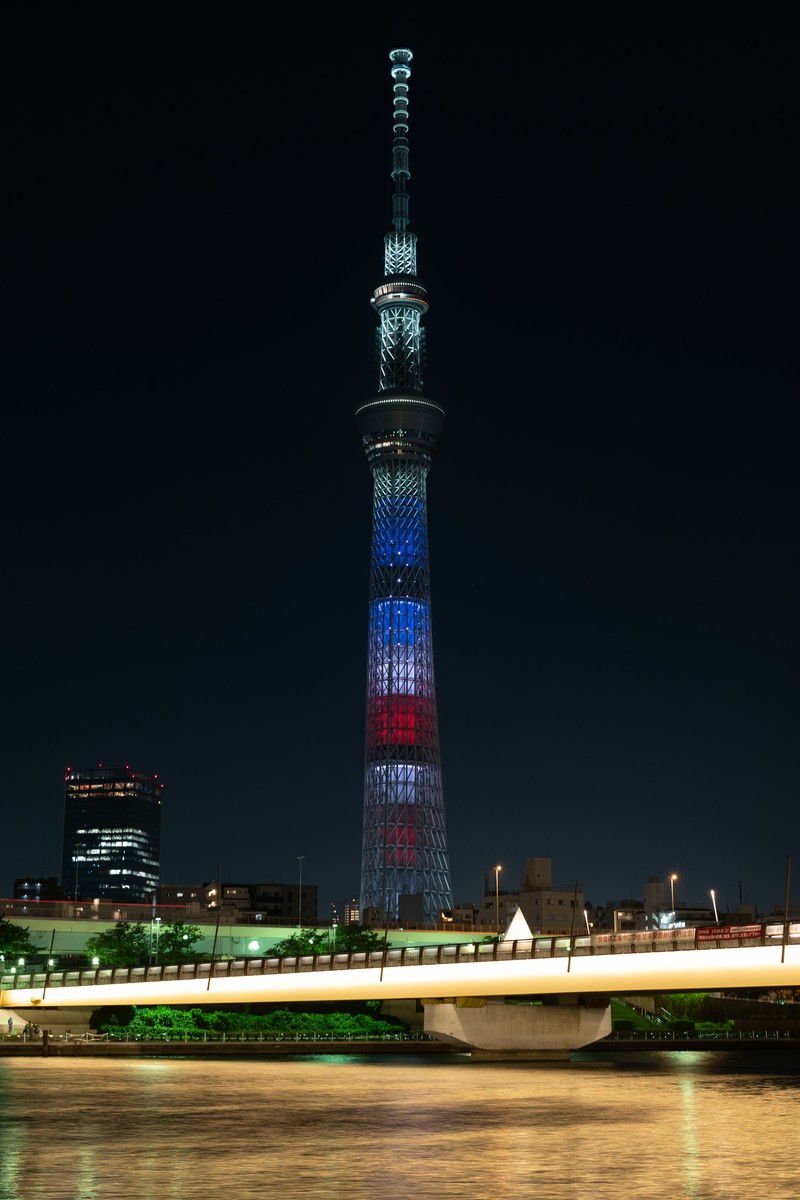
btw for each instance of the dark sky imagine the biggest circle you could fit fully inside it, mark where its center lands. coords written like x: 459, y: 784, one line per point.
x: 608, y: 232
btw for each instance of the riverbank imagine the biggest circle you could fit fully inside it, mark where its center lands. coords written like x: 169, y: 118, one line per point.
x: 158, y: 1047
x: 764, y: 1044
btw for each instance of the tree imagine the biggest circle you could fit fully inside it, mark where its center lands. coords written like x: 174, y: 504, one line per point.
x: 124, y: 945
x: 14, y: 941
x: 339, y: 939
x: 176, y: 943
x: 352, y: 938
x: 305, y: 941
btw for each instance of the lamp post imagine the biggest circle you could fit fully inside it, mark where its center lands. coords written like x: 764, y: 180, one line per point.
x: 497, y: 871
x: 300, y: 858
x: 155, y: 926
x: 672, y: 879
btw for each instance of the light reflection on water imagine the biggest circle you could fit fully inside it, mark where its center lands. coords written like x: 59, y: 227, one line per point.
x: 650, y: 1127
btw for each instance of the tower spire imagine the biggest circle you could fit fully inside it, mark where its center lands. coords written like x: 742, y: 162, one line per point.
x: 405, y: 872
x: 400, y: 246
x: 401, y: 73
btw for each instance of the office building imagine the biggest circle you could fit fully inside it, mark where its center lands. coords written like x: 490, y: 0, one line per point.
x: 112, y: 834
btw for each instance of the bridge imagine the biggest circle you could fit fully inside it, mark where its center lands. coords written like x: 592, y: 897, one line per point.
x: 539, y: 966
x: 463, y: 986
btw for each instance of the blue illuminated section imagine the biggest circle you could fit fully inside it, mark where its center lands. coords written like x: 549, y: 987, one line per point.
x: 399, y: 531
x: 400, y: 648
x: 400, y: 622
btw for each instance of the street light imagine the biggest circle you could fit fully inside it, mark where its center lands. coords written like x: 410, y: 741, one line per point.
x: 155, y: 927
x: 672, y: 879
x: 497, y: 871
x: 714, y: 902
x: 300, y: 858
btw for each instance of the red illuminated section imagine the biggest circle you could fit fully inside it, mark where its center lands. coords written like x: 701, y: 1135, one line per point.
x: 400, y: 721
x: 400, y: 840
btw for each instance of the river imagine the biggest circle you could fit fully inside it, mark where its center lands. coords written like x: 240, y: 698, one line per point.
x: 668, y: 1126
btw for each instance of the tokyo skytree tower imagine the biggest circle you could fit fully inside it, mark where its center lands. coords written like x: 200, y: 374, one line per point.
x: 405, y: 872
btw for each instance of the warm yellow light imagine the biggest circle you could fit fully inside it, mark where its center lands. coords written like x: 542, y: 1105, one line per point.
x: 700, y: 970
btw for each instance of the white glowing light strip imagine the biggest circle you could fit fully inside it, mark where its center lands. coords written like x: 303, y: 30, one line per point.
x: 608, y: 974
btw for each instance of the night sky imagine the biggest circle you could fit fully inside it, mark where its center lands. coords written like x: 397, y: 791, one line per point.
x: 608, y: 233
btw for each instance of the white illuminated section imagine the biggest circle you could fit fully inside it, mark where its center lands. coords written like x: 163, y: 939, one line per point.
x: 605, y: 974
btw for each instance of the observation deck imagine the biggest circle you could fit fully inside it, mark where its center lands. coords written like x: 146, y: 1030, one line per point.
x: 400, y: 289
x: 400, y: 424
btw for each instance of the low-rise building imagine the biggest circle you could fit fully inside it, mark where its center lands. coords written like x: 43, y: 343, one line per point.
x: 247, y: 903
x: 548, y: 908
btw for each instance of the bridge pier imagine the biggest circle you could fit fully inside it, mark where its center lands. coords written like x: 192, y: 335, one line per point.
x: 492, y: 1030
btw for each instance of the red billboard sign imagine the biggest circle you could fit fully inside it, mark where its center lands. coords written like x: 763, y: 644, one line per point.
x: 729, y: 933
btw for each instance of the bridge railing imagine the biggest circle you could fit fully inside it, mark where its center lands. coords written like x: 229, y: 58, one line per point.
x: 537, y: 948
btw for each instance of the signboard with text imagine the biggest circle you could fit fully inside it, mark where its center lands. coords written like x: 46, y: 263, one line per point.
x: 729, y: 933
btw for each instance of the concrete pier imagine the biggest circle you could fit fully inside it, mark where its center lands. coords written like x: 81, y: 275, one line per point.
x: 492, y: 1030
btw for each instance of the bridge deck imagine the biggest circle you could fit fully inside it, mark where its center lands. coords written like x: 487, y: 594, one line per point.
x: 502, y: 969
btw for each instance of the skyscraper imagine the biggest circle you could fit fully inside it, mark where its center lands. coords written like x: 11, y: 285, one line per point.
x: 405, y: 872
x: 112, y: 834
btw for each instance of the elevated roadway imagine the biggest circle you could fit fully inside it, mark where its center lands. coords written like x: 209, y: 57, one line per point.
x: 507, y: 969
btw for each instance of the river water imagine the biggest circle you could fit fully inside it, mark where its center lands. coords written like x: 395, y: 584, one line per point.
x: 666, y: 1126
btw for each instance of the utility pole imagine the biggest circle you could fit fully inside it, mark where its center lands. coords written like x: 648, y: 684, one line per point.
x: 300, y: 858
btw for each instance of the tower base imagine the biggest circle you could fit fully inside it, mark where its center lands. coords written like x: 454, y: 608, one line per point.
x: 494, y: 1031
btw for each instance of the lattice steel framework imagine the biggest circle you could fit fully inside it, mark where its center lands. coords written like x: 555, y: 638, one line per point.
x: 405, y: 867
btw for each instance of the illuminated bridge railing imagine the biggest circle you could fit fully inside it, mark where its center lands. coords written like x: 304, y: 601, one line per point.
x: 727, y: 937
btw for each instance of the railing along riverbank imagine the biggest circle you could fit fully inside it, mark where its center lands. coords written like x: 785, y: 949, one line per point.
x: 229, y: 1045
x: 411, y: 1045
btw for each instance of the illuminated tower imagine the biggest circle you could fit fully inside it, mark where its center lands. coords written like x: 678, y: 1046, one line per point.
x: 404, y: 862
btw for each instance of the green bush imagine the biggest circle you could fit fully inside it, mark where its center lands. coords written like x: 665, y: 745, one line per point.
x: 686, y: 1006
x: 165, y: 1022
